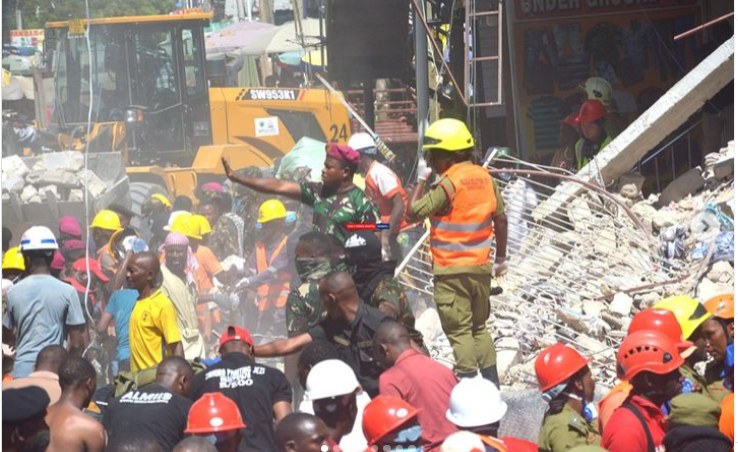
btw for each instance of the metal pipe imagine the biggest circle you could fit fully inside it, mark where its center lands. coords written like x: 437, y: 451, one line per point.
x: 439, y: 53
x: 421, y: 79
x: 702, y: 27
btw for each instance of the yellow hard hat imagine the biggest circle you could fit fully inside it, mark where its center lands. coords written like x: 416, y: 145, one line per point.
x: 271, y: 209
x: 107, y: 219
x: 188, y: 225
x: 448, y: 135
x: 689, y: 312
x: 162, y: 199
x: 13, y: 260
x: 205, y: 227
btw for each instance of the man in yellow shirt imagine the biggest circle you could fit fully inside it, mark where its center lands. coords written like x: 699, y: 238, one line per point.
x: 153, y: 326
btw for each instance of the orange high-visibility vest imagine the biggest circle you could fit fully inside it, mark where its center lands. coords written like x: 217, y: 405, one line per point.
x: 493, y: 442
x: 464, y: 236
x: 275, y: 292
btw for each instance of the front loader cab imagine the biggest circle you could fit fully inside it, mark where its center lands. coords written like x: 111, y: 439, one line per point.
x: 147, y: 73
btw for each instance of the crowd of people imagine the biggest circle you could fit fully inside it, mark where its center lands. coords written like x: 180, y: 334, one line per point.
x: 155, y: 335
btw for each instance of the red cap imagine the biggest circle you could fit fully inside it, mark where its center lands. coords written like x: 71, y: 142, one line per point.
x: 343, y: 153
x: 236, y: 333
x: 80, y: 266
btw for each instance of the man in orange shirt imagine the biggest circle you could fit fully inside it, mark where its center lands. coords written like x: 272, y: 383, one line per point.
x: 385, y: 190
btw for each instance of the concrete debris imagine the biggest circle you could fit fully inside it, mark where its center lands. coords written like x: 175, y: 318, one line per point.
x: 76, y: 195
x: 30, y: 195
x: 630, y: 191
x: 579, y: 276
x: 707, y: 289
x: 721, y: 272
x: 648, y: 299
x: 13, y: 184
x: 48, y: 191
x: 646, y: 212
x: 62, y: 170
x: 93, y: 183
x: 14, y: 166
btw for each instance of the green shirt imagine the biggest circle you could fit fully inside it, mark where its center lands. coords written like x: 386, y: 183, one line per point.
x: 438, y: 201
x: 561, y: 432
x: 389, y: 291
x: 332, y: 213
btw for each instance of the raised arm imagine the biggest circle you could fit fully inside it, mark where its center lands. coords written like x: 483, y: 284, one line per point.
x: 266, y: 185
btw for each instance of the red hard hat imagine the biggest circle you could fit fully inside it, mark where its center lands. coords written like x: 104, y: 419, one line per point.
x: 213, y: 413
x: 385, y: 414
x: 556, y: 364
x: 661, y: 321
x: 591, y: 110
x: 571, y: 121
x: 647, y: 351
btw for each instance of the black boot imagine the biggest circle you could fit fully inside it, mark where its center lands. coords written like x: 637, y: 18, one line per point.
x: 490, y: 374
x: 461, y: 375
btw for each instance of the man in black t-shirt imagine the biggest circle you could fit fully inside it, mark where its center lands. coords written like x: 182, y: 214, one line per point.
x: 349, y: 325
x: 157, y: 411
x: 263, y: 394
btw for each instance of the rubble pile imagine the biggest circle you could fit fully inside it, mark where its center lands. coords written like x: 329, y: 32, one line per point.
x: 580, y: 274
x: 59, y: 176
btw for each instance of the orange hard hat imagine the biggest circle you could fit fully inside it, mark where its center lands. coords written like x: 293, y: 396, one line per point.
x: 213, y: 413
x: 661, y: 321
x: 383, y: 415
x: 721, y: 306
x: 647, y: 351
x: 591, y: 110
x: 556, y: 364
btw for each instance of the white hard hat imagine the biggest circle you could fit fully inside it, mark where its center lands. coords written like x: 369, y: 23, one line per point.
x: 330, y: 378
x: 363, y: 143
x: 462, y: 441
x: 598, y: 88
x: 475, y: 402
x: 38, y: 238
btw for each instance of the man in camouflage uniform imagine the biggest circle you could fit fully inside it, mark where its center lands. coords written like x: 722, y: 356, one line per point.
x: 375, y: 280
x: 336, y: 202
x: 314, y: 260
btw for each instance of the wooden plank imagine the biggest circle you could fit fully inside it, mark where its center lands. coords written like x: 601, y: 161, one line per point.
x: 665, y: 115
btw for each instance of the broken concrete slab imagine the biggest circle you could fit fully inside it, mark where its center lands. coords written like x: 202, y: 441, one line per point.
x: 14, y: 166
x: 93, y: 183
x: 724, y: 168
x: 686, y: 184
x: 641, y: 136
x: 13, y: 184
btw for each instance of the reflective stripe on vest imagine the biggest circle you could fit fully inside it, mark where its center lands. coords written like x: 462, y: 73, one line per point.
x: 493, y: 442
x: 464, y: 236
x: 275, y: 292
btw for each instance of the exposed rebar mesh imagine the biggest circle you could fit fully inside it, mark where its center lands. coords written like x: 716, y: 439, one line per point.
x: 563, y: 272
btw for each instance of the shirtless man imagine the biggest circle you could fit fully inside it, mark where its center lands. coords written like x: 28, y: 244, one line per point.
x: 72, y: 430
